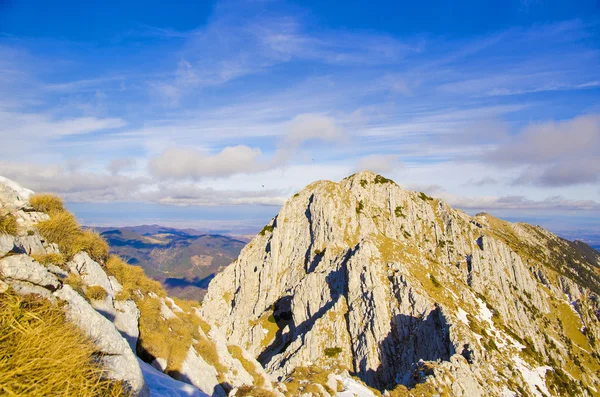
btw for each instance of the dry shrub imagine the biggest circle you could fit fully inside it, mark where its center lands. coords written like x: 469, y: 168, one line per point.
x: 8, y: 224
x: 42, y: 354
x: 50, y: 259
x: 48, y: 203
x: 96, y: 292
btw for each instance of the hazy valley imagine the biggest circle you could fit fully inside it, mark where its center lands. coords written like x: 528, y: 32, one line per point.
x: 182, y: 260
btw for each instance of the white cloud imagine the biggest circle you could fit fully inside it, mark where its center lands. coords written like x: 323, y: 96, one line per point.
x: 306, y: 127
x: 39, y: 125
x: 176, y: 163
x: 379, y: 163
x: 554, y: 153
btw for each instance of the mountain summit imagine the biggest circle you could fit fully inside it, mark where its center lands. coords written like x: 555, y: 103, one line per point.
x: 407, y: 293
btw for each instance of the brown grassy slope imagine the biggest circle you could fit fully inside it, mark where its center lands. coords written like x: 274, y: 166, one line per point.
x: 42, y: 354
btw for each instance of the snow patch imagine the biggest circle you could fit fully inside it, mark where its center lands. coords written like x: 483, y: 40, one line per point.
x: 353, y: 388
x: 535, y: 378
x: 462, y: 316
x: 162, y: 385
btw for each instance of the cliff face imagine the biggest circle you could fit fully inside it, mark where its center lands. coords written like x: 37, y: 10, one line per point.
x: 401, y: 289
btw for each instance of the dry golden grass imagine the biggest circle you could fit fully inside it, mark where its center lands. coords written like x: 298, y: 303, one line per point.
x: 50, y: 259
x: 168, y: 339
x: 208, y: 350
x: 313, y: 375
x: 248, y: 390
x: 8, y: 225
x: 96, y: 292
x: 92, y: 243
x: 236, y: 352
x: 48, y: 203
x: 76, y: 283
x: 42, y: 354
x: 132, y: 278
x: 62, y: 228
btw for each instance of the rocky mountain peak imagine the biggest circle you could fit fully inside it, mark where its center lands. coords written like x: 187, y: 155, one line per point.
x: 402, y: 290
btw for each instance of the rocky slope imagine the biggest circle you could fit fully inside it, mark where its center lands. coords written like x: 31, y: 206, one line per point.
x: 412, y: 296
x: 127, y: 316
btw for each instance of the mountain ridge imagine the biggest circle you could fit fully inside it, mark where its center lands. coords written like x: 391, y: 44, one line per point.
x: 365, y: 275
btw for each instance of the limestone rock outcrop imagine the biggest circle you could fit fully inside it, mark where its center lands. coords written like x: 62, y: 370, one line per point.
x: 404, y: 291
x: 111, y: 318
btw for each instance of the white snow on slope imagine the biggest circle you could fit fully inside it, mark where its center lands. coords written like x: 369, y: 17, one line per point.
x: 535, y: 378
x: 353, y: 388
x: 162, y: 385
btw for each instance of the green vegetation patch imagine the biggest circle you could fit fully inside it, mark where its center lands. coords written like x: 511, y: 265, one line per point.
x: 360, y: 207
x: 266, y: 229
x: 424, y: 197
x: 381, y: 179
x: 333, y: 351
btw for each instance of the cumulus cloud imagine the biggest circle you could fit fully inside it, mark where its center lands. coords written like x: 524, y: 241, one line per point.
x: 310, y: 126
x: 554, y: 203
x: 76, y: 186
x: 73, y: 185
x: 553, y: 153
x: 305, y: 128
x: 379, y: 163
x: 175, y: 163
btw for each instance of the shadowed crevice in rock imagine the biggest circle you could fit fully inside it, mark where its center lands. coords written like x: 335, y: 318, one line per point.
x: 410, y: 340
x: 315, y: 261
x: 282, y: 312
x: 337, y: 281
x: 308, y: 214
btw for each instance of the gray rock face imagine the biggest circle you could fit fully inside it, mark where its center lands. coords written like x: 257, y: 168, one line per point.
x: 23, y: 268
x: 201, y: 374
x: 398, y: 287
x: 119, y: 359
x: 111, y: 323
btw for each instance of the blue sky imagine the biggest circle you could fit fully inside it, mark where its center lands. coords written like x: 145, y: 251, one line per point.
x: 213, y: 113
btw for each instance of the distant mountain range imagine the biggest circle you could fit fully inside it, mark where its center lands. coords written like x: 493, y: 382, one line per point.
x: 182, y: 260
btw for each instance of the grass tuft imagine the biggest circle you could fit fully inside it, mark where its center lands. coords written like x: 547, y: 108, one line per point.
x: 48, y: 203
x: 8, y: 225
x: 51, y: 259
x: 92, y: 243
x: 96, y: 293
x: 42, y: 354
x: 62, y: 228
